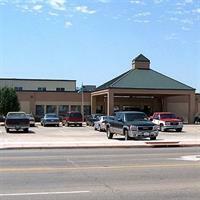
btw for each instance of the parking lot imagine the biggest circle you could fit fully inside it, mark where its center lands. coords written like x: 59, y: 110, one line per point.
x: 62, y: 136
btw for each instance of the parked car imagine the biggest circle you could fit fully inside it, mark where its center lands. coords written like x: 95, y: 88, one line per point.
x: 167, y: 121
x: 91, y: 119
x: 100, y: 124
x: 2, y: 118
x: 50, y: 119
x: 197, y: 119
x: 17, y: 121
x: 73, y: 118
x: 131, y: 124
x: 31, y: 119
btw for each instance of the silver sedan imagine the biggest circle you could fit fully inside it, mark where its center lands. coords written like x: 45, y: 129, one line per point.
x: 100, y: 124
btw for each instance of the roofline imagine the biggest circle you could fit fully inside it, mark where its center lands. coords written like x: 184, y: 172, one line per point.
x: 148, y: 88
x: 174, y: 80
x: 119, y: 79
x: 126, y: 73
x: 31, y: 79
x: 52, y: 91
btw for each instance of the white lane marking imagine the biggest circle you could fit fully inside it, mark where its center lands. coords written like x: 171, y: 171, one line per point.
x: 43, y: 193
x: 190, y: 158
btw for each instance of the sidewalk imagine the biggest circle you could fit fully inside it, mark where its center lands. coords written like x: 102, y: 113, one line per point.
x: 86, y: 137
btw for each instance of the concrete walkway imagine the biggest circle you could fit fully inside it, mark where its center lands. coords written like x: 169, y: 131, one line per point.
x: 86, y: 137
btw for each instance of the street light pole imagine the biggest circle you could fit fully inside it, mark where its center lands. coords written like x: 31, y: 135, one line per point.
x: 82, y: 102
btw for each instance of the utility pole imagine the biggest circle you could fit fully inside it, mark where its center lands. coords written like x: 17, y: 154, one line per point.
x: 82, y: 102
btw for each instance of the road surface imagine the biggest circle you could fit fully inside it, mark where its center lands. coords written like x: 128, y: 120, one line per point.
x: 113, y: 174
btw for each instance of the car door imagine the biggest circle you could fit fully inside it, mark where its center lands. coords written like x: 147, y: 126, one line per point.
x: 119, y: 123
x: 156, y: 119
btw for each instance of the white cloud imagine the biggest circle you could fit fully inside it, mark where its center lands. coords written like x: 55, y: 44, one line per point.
x: 172, y: 36
x: 85, y: 9
x: 157, y: 1
x: 187, y: 21
x: 143, y: 14
x: 173, y: 18
x: 68, y: 24
x: 24, y: 7
x: 188, y: 1
x: 141, y: 21
x: 57, y: 4
x: 185, y: 28
x: 136, y: 2
x: 37, y: 7
x: 104, y: 1
x: 196, y: 10
x: 53, y: 13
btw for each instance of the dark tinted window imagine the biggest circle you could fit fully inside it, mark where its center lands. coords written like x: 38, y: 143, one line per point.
x: 51, y: 115
x: 168, y: 116
x: 135, y: 116
x: 77, y: 115
x: 16, y: 115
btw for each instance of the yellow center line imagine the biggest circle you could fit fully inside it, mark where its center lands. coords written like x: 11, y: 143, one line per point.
x: 53, y: 169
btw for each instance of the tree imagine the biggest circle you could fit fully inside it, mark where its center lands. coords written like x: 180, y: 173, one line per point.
x: 8, y: 100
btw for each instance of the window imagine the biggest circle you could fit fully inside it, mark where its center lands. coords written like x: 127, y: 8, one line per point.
x: 18, y: 88
x: 41, y: 89
x: 60, y: 89
x: 76, y: 108
x: 62, y: 110
x: 39, y: 110
x: 135, y: 116
x: 51, y: 109
x: 87, y: 110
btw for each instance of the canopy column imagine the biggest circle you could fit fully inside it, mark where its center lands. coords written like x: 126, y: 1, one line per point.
x: 110, y: 103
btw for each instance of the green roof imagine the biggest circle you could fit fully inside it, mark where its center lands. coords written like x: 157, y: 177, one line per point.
x: 144, y: 79
x: 141, y: 58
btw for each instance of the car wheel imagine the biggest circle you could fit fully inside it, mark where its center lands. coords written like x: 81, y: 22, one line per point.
x: 162, y: 128
x: 178, y: 129
x: 26, y: 130
x: 68, y: 124
x: 7, y: 130
x: 80, y: 125
x: 153, y: 138
x: 99, y: 128
x: 126, y: 135
x: 109, y: 134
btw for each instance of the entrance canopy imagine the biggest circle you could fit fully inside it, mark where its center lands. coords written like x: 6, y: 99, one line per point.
x: 141, y: 88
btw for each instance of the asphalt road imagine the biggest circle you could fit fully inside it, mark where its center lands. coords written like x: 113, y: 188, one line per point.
x: 153, y: 174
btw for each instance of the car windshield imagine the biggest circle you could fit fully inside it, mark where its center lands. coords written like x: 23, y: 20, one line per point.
x: 29, y: 115
x: 51, y: 115
x: 168, y: 116
x: 77, y: 115
x: 135, y: 116
x: 16, y: 115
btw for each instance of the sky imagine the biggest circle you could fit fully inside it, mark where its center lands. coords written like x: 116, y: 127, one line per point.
x: 93, y: 41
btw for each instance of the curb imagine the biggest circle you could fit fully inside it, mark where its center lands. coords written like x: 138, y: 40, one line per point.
x: 167, y: 145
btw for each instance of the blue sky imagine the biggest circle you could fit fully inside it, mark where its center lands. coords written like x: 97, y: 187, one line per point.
x: 92, y: 41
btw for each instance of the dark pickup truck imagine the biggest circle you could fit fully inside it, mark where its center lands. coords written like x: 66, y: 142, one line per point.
x: 17, y: 121
x: 131, y: 124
